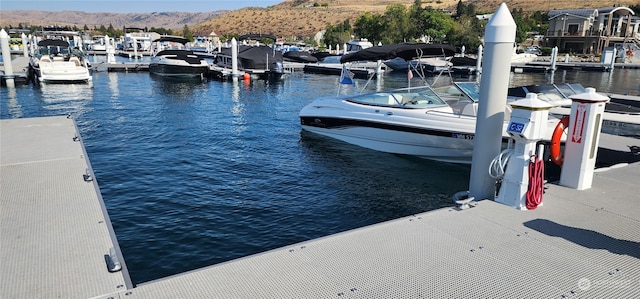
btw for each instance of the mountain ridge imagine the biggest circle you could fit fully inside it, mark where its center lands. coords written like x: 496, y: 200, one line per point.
x: 290, y: 18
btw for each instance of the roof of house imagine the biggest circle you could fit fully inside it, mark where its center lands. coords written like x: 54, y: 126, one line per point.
x: 589, y: 12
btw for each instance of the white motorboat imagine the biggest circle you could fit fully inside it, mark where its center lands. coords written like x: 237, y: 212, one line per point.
x: 56, y: 62
x: 173, y: 59
x: 410, y: 121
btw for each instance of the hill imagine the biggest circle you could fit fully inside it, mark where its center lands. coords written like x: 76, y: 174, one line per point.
x: 169, y: 20
x: 299, y: 18
x: 302, y: 18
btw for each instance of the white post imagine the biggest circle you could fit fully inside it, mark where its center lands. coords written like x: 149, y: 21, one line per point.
x: 234, y: 57
x: 479, y: 60
x: 135, y: 48
x: 499, y: 37
x: 613, y: 59
x: 6, y: 57
x: 111, y: 51
x: 583, y: 134
x: 25, y: 46
x: 566, y: 58
x: 554, y: 54
x: 344, y: 48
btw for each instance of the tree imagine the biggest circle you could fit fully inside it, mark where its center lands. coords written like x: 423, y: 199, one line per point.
x: 338, y: 34
x: 186, y: 33
x: 437, y: 24
x: 370, y: 26
x: 398, y: 25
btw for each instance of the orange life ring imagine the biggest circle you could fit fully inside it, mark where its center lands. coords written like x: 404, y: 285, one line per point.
x: 556, y: 154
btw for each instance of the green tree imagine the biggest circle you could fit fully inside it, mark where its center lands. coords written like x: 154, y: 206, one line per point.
x: 338, y: 34
x: 370, y: 26
x: 437, y: 24
x: 397, y: 23
x: 467, y: 32
x: 186, y: 33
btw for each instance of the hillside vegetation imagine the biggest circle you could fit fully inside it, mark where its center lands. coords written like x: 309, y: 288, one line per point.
x: 301, y: 18
x: 290, y: 18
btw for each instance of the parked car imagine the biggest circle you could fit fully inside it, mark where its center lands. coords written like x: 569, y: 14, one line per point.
x: 533, y: 50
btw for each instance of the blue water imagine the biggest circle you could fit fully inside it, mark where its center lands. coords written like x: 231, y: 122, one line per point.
x: 198, y: 173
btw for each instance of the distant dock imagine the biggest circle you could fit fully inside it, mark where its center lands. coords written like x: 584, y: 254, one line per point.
x: 58, y: 241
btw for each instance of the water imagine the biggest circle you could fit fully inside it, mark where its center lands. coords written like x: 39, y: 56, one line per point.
x: 198, y: 173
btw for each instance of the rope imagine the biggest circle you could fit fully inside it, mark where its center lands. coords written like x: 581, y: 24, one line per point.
x: 536, y: 183
x: 499, y: 164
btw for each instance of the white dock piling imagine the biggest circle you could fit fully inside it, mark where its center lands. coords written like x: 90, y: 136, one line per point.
x: 499, y: 38
x: 479, y: 60
x: 554, y: 55
x: 234, y: 57
x: 6, y: 56
x: 25, y: 47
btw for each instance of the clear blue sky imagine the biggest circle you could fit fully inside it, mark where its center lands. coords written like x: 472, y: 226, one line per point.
x: 133, y: 6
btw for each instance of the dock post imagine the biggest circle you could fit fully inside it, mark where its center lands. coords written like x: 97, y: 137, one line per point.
x: 234, y: 57
x: 479, y: 60
x: 613, y: 59
x: 499, y: 37
x: 554, y: 55
x: 6, y: 56
x: 25, y: 48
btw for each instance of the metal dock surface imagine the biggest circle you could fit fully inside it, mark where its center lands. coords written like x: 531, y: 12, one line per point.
x: 54, y: 228
x: 579, y: 244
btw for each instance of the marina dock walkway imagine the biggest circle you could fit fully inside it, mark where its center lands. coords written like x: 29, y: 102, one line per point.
x: 579, y: 244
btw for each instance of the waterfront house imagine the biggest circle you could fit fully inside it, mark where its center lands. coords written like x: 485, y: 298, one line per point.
x: 590, y: 31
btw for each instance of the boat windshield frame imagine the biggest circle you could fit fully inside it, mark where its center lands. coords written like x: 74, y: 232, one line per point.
x: 406, y: 98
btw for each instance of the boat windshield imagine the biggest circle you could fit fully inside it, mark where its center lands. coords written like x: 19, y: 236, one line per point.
x: 419, y: 97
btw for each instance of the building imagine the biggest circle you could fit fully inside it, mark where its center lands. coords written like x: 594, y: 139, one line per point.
x: 590, y: 31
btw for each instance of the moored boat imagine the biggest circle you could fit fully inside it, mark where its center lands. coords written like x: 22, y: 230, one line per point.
x: 173, y: 59
x: 54, y: 61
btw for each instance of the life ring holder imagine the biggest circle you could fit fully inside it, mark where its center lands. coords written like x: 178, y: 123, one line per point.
x: 556, y: 139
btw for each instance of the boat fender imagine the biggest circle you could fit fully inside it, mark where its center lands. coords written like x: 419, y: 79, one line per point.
x: 556, y: 154
x: 463, y: 199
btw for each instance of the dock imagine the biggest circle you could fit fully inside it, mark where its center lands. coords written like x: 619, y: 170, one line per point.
x: 55, y: 232
x: 57, y: 238
x: 20, y: 66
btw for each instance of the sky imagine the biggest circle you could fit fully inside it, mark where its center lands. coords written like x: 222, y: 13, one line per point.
x: 134, y: 6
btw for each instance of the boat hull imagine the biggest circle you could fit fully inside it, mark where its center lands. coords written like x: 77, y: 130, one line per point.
x: 173, y: 70
x: 430, y: 143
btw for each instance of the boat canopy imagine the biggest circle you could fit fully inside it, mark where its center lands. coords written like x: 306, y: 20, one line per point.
x: 175, y: 39
x: 406, y: 51
x: 53, y: 42
x: 299, y: 56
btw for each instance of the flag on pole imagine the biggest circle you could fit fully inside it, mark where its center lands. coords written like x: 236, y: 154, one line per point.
x: 346, y: 77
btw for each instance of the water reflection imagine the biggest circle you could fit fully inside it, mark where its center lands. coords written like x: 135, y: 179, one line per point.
x: 14, y: 107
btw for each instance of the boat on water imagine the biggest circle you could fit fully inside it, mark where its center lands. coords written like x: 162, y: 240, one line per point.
x: 432, y: 58
x: 55, y: 61
x: 410, y: 121
x: 173, y: 59
x: 414, y: 121
x: 259, y: 61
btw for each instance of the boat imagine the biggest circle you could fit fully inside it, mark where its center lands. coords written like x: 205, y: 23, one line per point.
x: 409, y: 121
x: 259, y: 61
x: 432, y: 58
x: 415, y: 121
x: 54, y: 61
x: 173, y: 59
